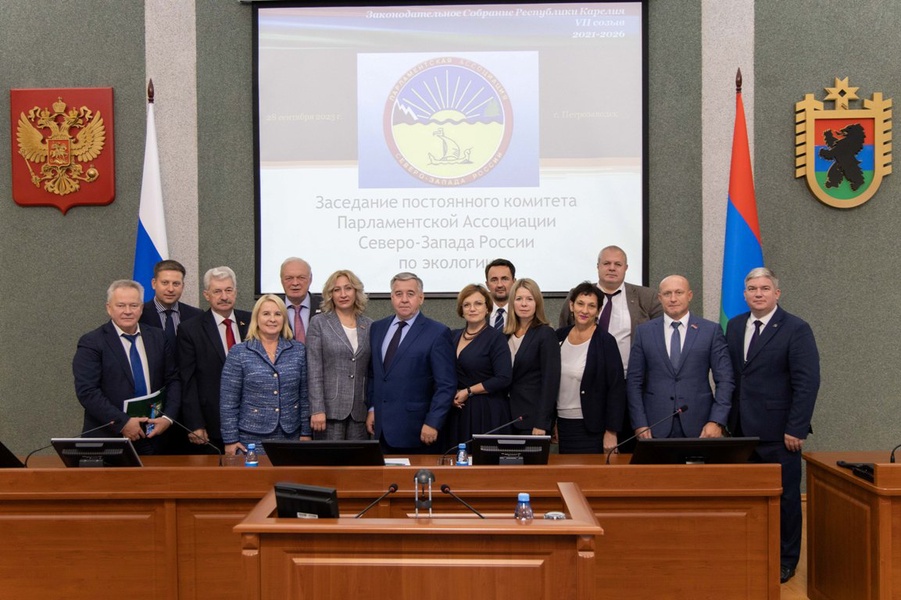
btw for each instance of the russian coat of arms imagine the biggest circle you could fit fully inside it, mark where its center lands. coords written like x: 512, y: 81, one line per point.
x: 62, y: 147
x: 843, y: 152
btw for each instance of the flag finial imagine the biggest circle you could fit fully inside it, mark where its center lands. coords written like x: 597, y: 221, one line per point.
x: 150, y: 92
x: 737, y: 82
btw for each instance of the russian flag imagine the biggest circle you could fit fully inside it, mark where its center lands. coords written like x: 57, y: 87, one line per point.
x: 742, y: 249
x: 152, y: 245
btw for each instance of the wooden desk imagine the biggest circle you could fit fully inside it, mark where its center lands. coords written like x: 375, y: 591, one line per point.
x: 853, y: 528
x: 166, y: 531
x: 411, y: 559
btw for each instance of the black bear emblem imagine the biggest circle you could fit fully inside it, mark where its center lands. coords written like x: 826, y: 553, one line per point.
x: 843, y: 154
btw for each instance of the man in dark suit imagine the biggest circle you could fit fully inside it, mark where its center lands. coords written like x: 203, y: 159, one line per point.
x: 166, y: 310
x: 777, y: 375
x: 121, y: 360
x: 203, y: 343
x: 296, y: 276
x: 670, y: 365
x: 413, y: 378
x: 625, y: 307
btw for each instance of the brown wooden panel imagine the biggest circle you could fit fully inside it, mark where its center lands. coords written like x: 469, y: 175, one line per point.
x: 84, y: 550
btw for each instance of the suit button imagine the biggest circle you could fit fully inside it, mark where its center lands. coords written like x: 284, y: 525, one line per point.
x: 351, y: 376
x: 275, y: 392
x: 275, y: 374
x: 276, y: 410
x: 353, y: 360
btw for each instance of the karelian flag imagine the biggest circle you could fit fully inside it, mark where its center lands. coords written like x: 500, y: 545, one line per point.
x: 742, y: 250
x: 152, y: 245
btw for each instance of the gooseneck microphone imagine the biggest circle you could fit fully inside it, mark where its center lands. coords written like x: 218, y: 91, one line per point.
x: 83, y: 433
x: 682, y: 409
x: 391, y: 489
x: 423, y: 478
x: 207, y: 443
x: 445, y: 489
x: 518, y: 419
x: 892, y: 457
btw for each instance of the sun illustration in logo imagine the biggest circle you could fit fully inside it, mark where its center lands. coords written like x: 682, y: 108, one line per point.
x: 448, y: 121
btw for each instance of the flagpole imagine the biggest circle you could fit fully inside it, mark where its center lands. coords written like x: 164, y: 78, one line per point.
x: 151, y: 243
x: 742, y: 247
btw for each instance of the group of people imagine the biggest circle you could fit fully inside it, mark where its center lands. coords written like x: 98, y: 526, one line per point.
x: 301, y: 366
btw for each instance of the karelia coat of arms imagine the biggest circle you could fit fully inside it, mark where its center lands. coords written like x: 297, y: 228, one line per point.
x: 845, y: 152
x: 62, y: 147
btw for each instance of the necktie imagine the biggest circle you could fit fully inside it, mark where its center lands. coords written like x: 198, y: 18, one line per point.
x: 137, y: 367
x: 229, y: 334
x: 675, y: 345
x: 499, y: 320
x: 754, y: 337
x: 169, y: 330
x: 299, y: 334
x: 392, y: 346
x: 604, y: 319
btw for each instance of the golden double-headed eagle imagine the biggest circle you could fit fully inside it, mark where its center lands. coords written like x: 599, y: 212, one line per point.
x: 44, y: 139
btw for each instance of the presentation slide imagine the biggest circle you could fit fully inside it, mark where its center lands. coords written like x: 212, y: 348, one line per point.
x: 434, y: 139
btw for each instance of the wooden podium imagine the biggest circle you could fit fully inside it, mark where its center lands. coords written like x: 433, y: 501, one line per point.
x: 448, y: 556
x: 853, y: 528
x: 166, y: 531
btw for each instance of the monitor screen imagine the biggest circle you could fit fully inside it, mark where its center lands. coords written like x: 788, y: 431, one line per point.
x: 96, y: 452
x: 8, y: 460
x: 325, y: 453
x: 299, y: 501
x: 437, y: 137
x: 693, y: 451
x: 510, y: 449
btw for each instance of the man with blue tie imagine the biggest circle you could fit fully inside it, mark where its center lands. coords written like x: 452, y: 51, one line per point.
x: 670, y: 364
x: 121, y: 360
x: 777, y: 377
x: 499, y: 277
x: 166, y: 310
x: 413, y: 378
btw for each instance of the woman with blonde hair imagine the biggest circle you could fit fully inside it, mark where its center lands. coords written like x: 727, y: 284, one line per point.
x: 536, y: 360
x: 338, y: 355
x: 264, y: 382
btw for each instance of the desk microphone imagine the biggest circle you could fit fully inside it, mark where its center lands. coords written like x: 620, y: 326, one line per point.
x: 83, y: 433
x: 422, y: 478
x: 682, y: 409
x: 211, y: 445
x: 892, y: 458
x: 445, y: 489
x: 391, y: 489
x: 518, y: 419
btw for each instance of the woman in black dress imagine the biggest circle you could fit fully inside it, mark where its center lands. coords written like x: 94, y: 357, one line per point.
x: 484, y: 370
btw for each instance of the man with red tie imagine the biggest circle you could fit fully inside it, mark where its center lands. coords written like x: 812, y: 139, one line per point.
x: 297, y: 275
x: 203, y: 343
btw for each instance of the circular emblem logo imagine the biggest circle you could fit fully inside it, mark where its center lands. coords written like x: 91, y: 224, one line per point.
x: 448, y: 121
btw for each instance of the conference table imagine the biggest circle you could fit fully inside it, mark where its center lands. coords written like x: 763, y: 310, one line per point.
x: 167, y: 530
x: 853, y: 528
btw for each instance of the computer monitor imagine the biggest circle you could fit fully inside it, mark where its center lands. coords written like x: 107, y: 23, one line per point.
x: 96, y: 452
x: 8, y: 460
x: 324, y: 453
x: 510, y: 449
x: 299, y: 501
x: 693, y: 451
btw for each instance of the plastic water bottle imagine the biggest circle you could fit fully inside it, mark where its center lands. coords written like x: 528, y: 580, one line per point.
x: 524, y: 514
x: 250, y: 458
x: 462, y: 457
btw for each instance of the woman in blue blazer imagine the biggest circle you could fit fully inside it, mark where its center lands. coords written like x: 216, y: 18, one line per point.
x: 592, y: 401
x: 264, y: 382
x: 536, y: 360
x: 338, y: 353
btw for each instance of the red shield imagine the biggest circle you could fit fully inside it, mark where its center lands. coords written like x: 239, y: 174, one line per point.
x: 62, y: 147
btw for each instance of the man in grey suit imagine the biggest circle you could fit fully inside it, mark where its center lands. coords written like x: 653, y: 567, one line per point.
x: 670, y: 365
x: 625, y: 307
